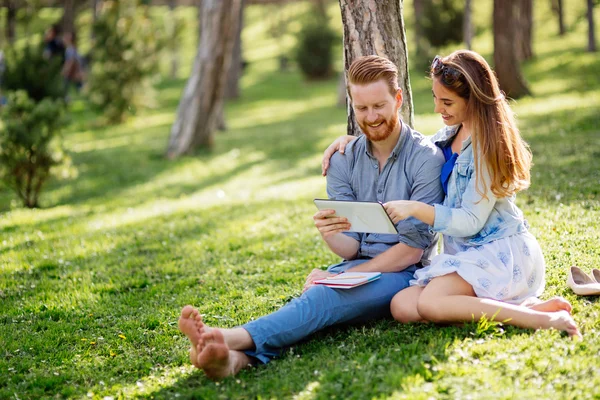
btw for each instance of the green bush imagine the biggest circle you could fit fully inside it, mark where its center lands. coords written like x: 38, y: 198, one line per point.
x: 30, y: 143
x: 28, y: 70
x: 443, y: 21
x: 314, y: 51
x: 125, y: 54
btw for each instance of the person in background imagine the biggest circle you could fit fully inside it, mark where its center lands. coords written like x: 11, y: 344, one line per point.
x: 53, y: 45
x: 72, y: 69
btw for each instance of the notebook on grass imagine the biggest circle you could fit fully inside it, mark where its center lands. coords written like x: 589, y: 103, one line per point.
x: 349, y: 280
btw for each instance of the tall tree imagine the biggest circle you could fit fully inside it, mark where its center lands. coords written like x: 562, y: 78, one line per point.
x: 203, y: 94
x: 558, y: 8
x: 591, y: 30
x: 173, y: 37
x: 11, y: 19
x: 419, y: 10
x: 468, y: 24
x: 377, y: 28
x: 506, y: 60
x: 232, y: 90
x: 524, y: 38
x: 68, y: 19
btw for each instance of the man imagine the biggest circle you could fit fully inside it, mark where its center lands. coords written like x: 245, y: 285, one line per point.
x: 389, y: 162
x: 53, y: 45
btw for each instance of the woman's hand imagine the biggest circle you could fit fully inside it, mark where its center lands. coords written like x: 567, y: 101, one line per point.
x: 399, y: 210
x: 338, y: 145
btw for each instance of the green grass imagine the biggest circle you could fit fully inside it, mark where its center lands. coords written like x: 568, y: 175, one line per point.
x: 91, y: 285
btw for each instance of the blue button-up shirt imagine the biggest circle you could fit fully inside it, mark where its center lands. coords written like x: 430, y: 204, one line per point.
x: 411, y: 172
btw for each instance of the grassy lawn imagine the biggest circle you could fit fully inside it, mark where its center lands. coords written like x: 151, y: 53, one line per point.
x: 91, y: 284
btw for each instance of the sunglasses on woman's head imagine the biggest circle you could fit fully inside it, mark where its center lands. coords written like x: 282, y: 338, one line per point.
x: 449, y: 75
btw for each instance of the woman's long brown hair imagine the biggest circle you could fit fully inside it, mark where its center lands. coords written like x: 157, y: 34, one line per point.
x: 494, y: 135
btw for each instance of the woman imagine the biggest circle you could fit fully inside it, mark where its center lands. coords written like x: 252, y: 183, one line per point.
x: 491, y: 263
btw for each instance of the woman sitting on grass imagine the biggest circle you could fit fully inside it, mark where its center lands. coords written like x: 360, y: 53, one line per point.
x: 492, y: 266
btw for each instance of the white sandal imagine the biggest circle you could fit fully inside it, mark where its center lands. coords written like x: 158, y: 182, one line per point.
x: 583, y: 284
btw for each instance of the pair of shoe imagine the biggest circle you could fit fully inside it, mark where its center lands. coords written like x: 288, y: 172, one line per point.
x: 584, y: 284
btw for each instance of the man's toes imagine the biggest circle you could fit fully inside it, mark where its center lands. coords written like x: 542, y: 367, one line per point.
x: 187, y: 311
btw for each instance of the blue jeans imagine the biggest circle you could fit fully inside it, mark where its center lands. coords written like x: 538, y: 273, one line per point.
x: 321, y: 306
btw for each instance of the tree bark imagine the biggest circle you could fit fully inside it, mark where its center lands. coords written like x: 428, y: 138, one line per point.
x: 524, y: 39
x: 591, y: 30
x: 467, y: 25
x: 11, y: 20
x: 202, y: 98
x: 377, y: 28
x: 232, y: 90
x: 68, y: 19
x: 508, y: 69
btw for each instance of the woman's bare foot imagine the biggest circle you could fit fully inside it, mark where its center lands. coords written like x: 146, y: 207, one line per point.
x: 215, y: 358
x: 552, y: 305
x: 189, y: 327
x: 562, y: 321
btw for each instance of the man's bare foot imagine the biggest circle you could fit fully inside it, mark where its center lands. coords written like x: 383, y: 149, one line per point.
x: 216, y: 359
x: 563, y: 321
x: 189, y: 327
x: 552, y: 305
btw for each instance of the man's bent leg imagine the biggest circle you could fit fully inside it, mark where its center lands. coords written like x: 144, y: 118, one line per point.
x: 320, y: 307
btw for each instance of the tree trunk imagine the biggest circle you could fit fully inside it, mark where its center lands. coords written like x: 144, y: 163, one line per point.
x: 232, y: 90
x: 524, y: 16
x: 202, y: 98
x: 591, y: 30
x: 467, y: 25
x: 68, y: 19
x: 174, y: 55
x: 557, y: 7
x: 508, y: 69
x: 377, y: 28
x: 11, y: 20
x: 418, y: 10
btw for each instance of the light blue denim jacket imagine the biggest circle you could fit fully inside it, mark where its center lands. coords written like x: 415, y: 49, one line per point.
x: 470, y: 219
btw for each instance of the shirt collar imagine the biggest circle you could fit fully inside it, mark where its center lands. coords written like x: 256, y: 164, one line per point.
x: 446, y: 135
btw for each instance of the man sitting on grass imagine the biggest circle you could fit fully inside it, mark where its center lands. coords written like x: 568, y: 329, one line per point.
x: 389, y: 162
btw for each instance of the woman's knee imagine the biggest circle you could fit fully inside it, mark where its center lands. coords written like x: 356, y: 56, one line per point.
x: 428, y: 307
x: 404, y: 308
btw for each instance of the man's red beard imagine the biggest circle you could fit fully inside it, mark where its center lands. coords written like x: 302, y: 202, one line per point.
x: 386, y: 129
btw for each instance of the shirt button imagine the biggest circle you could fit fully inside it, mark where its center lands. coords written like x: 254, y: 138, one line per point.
x: 374, y: 165
x: 379, y: 191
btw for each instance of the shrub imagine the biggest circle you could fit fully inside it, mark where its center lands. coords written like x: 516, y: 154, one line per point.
x: 443, y: 21
x: 30, y: 143
x: 125, y: 55
x: 315, y: 47
x: 27, y: 69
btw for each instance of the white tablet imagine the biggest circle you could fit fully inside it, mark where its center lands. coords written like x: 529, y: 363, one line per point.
x: 364, y: 216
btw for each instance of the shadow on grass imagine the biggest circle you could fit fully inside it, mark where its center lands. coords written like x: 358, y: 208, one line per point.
x: 339, y: 362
